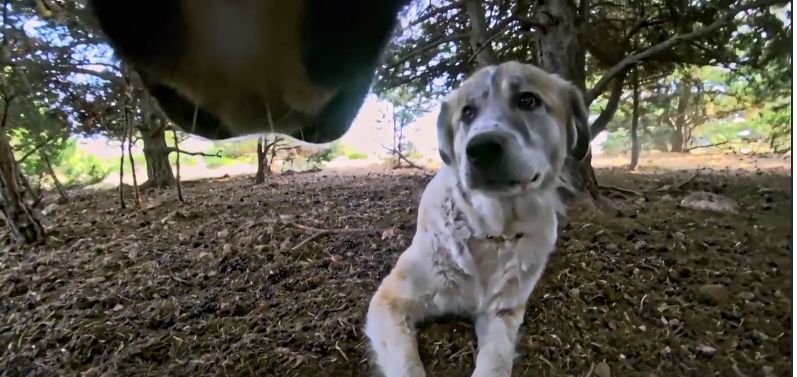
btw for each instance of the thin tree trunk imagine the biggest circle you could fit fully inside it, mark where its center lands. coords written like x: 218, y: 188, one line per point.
x: 122, y: 172
x: 21, y: 220
x: 274, y: 151
x: 260, y: 176
x: 479, y: 40
x: 64, y: 198
x: 177, y: 182
x: 396, y: 140
x: 136, y: 193
x: 635, y: 122
x: 33, y: 195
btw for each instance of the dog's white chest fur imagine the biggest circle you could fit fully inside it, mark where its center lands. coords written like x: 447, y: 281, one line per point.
x: 487, y: 254
x: 471, y: 255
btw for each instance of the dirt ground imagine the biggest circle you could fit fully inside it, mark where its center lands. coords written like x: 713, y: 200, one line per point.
x: 230, y: 285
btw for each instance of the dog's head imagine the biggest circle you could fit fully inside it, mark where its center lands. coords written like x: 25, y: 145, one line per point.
x: 508, y: 129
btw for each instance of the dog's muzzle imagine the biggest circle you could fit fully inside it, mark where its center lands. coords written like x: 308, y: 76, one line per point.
x: 493, y: 166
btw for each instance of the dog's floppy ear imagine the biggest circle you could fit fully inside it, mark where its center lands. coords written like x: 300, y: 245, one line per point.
x: 578, y: 135
x: 445, y: 134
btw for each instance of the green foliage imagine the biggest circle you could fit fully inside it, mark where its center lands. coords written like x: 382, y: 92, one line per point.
x: 335, y: 149
x: 236, y: 148
x: 80, y: 168
x: 185, y: 160
x: 414, y: 155
x: 778, y: 125
x: 216, y: 162
x: 354, y: 155
x: 617, y: 141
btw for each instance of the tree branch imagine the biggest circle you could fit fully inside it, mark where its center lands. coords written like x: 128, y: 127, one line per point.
x: 489, y: 41
x: 426, y: 47
x: 705, y: 146
x: 603, y: 83
x: 172, y: 149
x: 529, y: 23
x: 434, y: 12
x: 403, y: 158
x: 36, y: 148
x: 611, y: 107
x: 104, y: 75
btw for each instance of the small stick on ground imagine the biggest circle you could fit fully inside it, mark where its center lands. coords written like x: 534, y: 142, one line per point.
x: 318, y: 232
x: 308, y: 239
x: 658, y: 189
x: 675, y: 186
x: 621, y: 190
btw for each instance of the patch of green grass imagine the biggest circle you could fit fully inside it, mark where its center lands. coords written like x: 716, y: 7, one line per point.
x: 184, y: 160
x: 353, y: 155
x: 216, y: 162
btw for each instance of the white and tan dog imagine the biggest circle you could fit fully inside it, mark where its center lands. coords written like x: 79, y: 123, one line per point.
x: 487, y: 221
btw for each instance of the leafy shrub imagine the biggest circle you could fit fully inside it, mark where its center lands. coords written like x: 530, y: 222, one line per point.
x: 82, y: 169
x: 617, y: 141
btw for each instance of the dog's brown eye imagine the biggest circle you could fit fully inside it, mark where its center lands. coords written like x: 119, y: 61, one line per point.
x: 468, y: 114
x: 527, y: 101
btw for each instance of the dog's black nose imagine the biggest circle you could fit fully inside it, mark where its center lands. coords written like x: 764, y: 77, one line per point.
x: 485, y: 151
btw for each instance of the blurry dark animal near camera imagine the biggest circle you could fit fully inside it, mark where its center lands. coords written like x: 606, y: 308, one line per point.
x: 221, y: 69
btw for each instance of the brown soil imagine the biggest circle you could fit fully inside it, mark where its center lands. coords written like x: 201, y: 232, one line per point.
x: 214, y: 288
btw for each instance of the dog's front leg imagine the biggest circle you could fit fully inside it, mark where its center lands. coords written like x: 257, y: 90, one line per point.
x: 395, y: 308
x: 496, y: 333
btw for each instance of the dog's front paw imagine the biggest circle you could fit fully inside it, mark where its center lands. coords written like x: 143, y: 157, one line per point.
x: 492, y: 365
x: 492, y: 371
x: 406, y: 371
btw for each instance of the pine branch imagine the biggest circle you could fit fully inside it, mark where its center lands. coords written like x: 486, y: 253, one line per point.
x: 675, y: 40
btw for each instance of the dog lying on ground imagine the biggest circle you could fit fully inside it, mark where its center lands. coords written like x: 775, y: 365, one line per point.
x: 487, y: 221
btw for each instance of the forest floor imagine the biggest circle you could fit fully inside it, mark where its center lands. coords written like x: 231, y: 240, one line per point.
x: 230, y: 285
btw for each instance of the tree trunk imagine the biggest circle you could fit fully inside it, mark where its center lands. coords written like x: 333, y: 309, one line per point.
x: 677, y: 139
x: 21, y: 220
x: 561, y: 52
x: 156, y: 154
x: 260, y: 176
x: 274, y: 145
x: 635, y: 123
x: 479, y: 40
